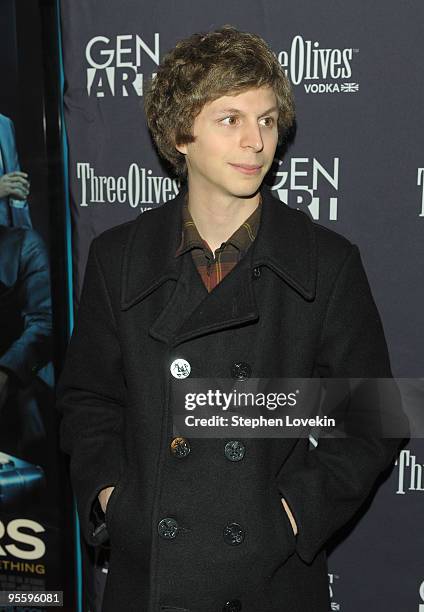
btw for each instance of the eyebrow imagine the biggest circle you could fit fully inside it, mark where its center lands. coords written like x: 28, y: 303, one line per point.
x: 238, y: 111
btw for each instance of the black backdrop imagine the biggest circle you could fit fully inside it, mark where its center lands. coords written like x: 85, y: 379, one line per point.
x: 356, y: 166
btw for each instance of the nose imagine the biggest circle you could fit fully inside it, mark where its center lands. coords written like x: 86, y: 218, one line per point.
x: 251, y: 136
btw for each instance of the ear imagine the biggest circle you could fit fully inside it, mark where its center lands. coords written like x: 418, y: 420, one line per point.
x: 182, y: 148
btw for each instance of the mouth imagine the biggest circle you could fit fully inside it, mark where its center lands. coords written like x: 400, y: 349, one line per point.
x: 247, y: 168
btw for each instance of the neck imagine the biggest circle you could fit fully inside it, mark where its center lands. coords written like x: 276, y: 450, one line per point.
x: 218, y: 216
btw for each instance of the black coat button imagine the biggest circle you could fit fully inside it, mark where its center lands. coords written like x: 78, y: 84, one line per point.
x: 168, y: 528
x: 234, y: 450
x: 256, y: 272
x: 232, y: 606
x: 233, y: 534
x: 180, y: 447
x: 241, y: 370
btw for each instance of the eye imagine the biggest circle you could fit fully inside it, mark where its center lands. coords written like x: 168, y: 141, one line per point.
x: 230, y: 120
x: 268, y: 121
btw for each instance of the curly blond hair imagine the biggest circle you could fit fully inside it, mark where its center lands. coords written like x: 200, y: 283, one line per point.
x: 201, y: 69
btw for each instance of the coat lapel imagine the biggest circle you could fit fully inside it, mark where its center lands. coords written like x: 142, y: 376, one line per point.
x: 149, y: 255
x: 284, y: 243
x: 189, y: 292
x: 231, y: 303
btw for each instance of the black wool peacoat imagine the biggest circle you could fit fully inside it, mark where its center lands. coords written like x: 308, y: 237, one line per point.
x: 196, y: 530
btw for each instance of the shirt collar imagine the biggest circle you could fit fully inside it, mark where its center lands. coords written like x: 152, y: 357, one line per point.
x: 242, y: 238
x: 286, y: 244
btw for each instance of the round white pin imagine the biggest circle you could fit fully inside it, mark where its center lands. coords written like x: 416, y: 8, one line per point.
x: 180, y: 368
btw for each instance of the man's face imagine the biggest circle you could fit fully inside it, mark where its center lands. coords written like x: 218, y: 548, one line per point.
x: 235, y: 141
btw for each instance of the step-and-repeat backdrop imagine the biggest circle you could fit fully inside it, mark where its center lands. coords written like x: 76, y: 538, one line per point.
x: 356, y: 166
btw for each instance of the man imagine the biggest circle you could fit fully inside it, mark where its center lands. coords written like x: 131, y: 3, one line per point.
x: 14, y: 184
x: 26, y: 389
x: 224, y: 281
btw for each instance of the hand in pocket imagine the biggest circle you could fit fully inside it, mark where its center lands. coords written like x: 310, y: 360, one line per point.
x: 104, y: 497
x: 290, y: 515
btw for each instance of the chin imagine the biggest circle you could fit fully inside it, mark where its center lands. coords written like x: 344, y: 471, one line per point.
x: 245, y: 193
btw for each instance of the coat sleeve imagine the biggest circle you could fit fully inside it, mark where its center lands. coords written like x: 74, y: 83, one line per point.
x: 32, y: 350
x: 91, y: 396
x: 324, y: 487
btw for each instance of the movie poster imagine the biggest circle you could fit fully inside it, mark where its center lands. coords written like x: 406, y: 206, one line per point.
x: 35, y: 506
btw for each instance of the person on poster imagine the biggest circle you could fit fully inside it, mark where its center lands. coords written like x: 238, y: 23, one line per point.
x: 25, y: 343
x: 224, y: 281
x: 14, y: 184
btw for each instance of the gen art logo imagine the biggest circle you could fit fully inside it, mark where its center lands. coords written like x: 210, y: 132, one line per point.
x: 118, y: 66
x: 309, y: 184
x: 319, y: 69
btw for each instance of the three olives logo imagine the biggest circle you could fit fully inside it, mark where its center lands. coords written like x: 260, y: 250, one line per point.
x: 410, y: 473
x: 420, y: 183
x: 319, y: 69
x: 137, y: 188
x: 332, y: 579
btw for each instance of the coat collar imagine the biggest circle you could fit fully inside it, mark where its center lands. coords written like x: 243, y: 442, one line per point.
x: 285, y: 243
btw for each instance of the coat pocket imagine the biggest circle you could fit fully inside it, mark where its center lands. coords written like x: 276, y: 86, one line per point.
x: 114, y: 501
x: 282, y: 526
